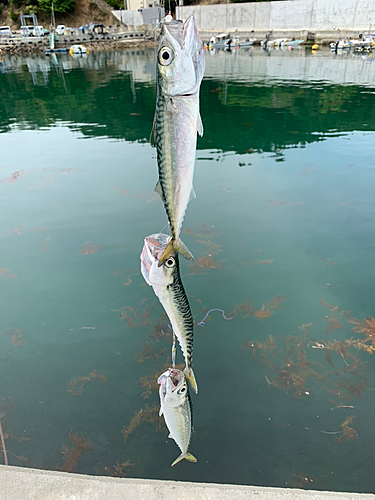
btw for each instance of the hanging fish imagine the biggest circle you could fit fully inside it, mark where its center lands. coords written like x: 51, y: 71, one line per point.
x: 179, y: 70
x: 168, y: 287
x: 176, y: 408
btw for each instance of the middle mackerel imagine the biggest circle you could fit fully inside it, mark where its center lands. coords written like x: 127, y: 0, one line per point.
x: 168, y: 287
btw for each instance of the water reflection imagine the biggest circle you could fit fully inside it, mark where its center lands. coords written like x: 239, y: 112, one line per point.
x: 251, y: 102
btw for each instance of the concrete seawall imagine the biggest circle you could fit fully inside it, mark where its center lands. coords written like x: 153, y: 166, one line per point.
x: 32, y: 484
x: 336, y: 17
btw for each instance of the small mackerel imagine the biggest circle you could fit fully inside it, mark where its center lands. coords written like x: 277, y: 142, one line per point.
x: 176, y: 407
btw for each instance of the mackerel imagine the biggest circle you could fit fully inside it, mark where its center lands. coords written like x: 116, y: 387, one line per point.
x: 167, y: 285
x: 179, y: 70
x: 176, y: 408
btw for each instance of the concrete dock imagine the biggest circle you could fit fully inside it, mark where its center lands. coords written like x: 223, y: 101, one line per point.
x: 19, y: 483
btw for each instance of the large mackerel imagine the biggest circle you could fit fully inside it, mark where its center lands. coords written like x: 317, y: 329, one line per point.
x: 179, y: 69
x: 176, y: 407
x: 167, y: 285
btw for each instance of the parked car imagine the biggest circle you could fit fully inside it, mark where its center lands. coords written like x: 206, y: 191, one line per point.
x: 27, y: 30
x: 38, y: 31
x: 60, y: 29
x: 33, y: 31
x: 5, y: 31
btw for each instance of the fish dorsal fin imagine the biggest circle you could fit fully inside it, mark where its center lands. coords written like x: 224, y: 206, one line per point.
x: 192, y: 194
x: 199, y: 125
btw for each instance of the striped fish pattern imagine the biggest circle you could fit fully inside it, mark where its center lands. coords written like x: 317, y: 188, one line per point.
x: 180, y: 69
x: 167, y: 285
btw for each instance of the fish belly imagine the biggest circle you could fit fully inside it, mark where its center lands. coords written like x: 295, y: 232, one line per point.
x: 179, y: 426
x: 176, y: 136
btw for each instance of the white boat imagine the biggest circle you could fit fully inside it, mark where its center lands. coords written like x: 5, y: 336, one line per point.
x: 367, y: 42
x: 78, y: 50
x: 248, y: 42
x: 219, y: 41
x: 340, y: 45
x: 291, y: 43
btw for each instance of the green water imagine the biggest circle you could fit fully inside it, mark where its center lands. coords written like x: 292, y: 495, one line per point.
x: 284, y: 217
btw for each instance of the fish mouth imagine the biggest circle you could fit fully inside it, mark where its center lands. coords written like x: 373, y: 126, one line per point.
x: 171, y: 380
x: 153, y: 248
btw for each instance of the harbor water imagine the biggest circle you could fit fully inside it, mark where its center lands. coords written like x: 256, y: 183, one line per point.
x: 283, y: 234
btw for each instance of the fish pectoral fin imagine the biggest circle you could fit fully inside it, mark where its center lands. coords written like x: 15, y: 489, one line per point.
x: 192, y: 194
x: 171, y: 106
x: 175, y: 246
x: 161, y: 411
x: 158, y: 190
x: 199, y: 125
x: 187, y: 456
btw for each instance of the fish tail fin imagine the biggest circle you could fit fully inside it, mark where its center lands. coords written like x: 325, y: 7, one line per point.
x: 175, y: 246
x: 189, y: 374
x: 187, y: 456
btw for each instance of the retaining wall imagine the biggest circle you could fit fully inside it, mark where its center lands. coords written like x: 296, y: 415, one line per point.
x: 289, y: 15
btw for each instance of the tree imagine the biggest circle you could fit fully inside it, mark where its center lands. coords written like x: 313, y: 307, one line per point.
x: 60, y: 6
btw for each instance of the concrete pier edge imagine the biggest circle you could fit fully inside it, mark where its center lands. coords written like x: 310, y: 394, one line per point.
x: 20, y: 483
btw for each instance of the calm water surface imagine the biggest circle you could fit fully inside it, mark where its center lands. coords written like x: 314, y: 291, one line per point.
x: 283, y: 230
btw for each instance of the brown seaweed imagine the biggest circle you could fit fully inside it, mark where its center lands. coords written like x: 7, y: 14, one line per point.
x: 150, y: 414
x: 264, y: 312
x: 6, y: 273
x: 204, y: 263
x: 75, y: 386
x: 72, y: 456
x: 149, y: 353
x: 14, y: 177
x: 348, y: 433
x: 90, y: 249
x: 136, y: 316
x: 333, y: 322
x: 367, y: 327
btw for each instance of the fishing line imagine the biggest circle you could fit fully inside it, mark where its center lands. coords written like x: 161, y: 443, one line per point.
x: 202, y: 323
x: 174, y: 351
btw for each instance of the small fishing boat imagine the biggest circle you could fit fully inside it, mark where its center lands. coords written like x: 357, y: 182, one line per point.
x: 248, y: 42
x: 219, y: 41
x: 78, y: 50
x: 340, y: 45
x: 367, y: 42
x: 291, y: 43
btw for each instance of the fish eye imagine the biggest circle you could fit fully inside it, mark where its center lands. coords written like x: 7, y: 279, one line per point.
x: 182, y: 390
x: 170, y: 262
x: 165, y: 56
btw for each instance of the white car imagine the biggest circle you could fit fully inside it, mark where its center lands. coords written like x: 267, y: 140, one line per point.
x: 5, y: 31
x: 60, y: 29
x: 38, y: 31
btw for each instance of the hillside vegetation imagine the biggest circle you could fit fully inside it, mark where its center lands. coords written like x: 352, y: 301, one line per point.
x: 72, y: 13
